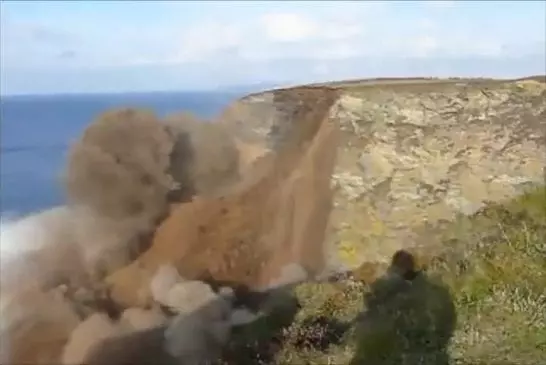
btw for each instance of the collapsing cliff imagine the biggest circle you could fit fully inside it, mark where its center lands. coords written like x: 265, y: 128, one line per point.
x: 143, y: 194
x: 269, y: 228
x: 293, y: 183
x: 411, y: 157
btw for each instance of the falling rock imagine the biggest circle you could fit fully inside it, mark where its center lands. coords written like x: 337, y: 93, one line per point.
x: 142, y: 319
x: 89, y: 333
x: 165, y: 278
x: 276, y: 216
x: 188, y: 296
x: 243, y: 316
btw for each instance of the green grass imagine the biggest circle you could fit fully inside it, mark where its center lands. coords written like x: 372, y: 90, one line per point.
x: 493, y: 273
x: 500, y: 284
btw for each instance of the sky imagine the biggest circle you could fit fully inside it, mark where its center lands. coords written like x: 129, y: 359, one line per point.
x: 120, y: 46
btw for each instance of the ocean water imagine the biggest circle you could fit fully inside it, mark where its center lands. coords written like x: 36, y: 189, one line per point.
x: 35, y: 132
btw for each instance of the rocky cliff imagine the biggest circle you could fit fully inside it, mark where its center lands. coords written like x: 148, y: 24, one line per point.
x: 332, y: 177
x: 414, y: 155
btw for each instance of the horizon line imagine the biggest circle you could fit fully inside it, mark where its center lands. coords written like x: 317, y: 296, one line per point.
x: 235, y: 89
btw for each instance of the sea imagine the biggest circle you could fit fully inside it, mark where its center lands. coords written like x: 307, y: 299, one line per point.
x: 35, y: 132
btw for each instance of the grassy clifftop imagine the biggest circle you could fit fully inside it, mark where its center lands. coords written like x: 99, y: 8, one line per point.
x: 493, y: 274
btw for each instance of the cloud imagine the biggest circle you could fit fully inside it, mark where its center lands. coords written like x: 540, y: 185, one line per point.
x: 49, y: 35
x: 35, y: 45
x: 327, y: 36
x: 328, y: 33
x: 272, y: 36
x: 425, y: 45
x: 289, y: 27
x: 293, y: 27
x: 208, y: 39
x: 248, y: 42
x: 67, y: 55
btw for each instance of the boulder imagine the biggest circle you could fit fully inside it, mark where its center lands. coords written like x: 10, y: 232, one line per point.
x: 141, y: 319
x: 89, y: 333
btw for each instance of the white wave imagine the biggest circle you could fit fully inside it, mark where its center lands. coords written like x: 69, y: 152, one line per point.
x: 18, y: 234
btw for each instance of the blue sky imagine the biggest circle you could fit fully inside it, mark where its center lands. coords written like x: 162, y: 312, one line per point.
x: 113, y: 46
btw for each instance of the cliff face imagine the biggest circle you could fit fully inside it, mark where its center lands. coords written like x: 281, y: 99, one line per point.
x: 413, y: 155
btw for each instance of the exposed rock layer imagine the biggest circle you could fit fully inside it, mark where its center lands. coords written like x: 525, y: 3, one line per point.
x: 413, y: 156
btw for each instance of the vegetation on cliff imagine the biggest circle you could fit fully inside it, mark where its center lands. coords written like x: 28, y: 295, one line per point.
x: 494, y: 273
